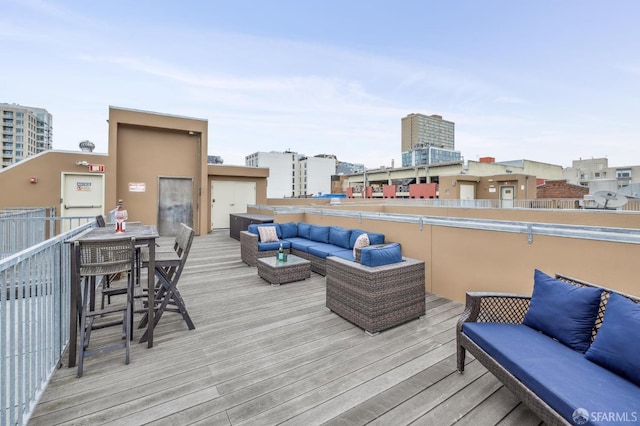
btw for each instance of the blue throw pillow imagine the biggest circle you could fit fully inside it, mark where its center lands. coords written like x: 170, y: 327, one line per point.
x: 339, y: 236
x: 289, y: 230
x: 378, y: 256
x: 303, y: 230
x: 319, y: 233
x: 563, y: 311
x: 617, y: 344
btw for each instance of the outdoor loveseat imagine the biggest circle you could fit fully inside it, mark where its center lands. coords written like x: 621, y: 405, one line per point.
x: 312, y: 242
x: 569, y: 352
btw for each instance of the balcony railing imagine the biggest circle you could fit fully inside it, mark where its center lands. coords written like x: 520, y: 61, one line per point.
x: 34, y: 321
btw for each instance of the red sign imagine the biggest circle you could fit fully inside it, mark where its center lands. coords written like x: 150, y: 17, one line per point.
x: 96, y: 167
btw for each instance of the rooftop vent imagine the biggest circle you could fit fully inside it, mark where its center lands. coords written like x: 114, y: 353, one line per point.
x: 87, y: 146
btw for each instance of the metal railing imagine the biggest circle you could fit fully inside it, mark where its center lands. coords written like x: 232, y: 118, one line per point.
x: 34, y: 322
x: 540, y: 203
x: 25, y: 227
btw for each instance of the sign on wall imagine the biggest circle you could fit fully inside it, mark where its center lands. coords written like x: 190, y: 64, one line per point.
x: 83, y: 186
x: 137, y: 187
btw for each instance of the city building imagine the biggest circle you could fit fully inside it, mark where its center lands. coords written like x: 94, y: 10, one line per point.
x: 596, y: 174
x: 345, y: 168
x: 427, y: 140
x: 26, y: 131
x: 294, y: 175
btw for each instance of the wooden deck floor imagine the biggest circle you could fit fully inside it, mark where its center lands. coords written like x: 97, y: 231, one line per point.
x: 263, y: 355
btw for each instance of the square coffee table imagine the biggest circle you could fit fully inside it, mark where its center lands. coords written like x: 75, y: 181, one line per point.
x: 276, y: 273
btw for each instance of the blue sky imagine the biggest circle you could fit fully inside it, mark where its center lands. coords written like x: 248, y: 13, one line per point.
x: 549, y: 81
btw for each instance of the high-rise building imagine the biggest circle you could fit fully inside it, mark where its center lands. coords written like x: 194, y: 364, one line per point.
x: 427, y: 140
x: 26, y: 131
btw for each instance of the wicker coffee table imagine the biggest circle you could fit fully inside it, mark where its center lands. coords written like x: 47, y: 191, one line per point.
x: 276, y: 273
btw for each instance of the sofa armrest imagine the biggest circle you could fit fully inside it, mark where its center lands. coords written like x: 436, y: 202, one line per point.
x: 494, y: 307
x: 249, y: 247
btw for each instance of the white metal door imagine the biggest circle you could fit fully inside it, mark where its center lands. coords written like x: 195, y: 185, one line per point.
x: 507, y: 196
x: 467, y: 194
x: 82, y: 194
x: 230, y: 197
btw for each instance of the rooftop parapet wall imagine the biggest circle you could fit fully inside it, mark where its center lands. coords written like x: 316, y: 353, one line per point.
x: 463, y: 254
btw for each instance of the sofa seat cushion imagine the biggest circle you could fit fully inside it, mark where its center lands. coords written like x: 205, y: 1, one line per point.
x: 323, y: 250
x: 274, y: 245
x: 301, y: 244
x: 562, y: 377
x: 346, y: 254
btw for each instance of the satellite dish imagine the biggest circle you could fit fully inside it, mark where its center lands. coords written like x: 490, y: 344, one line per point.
x: 609, y: 199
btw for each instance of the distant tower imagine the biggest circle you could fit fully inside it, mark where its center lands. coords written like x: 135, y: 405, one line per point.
x: 427, y: 140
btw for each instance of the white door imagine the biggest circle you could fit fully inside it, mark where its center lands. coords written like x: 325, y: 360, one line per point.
x: 81, y: 195
x: 467, y: 194
x: 507, y: 194
x: 229, y: 197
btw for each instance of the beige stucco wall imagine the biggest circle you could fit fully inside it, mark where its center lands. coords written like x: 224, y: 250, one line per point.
x: 17, y: 191
x: 458, y: 260
x: 143, y: 146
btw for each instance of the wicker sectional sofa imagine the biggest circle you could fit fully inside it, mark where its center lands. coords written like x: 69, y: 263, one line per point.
x: 312, y: 242
x: 569, y: 351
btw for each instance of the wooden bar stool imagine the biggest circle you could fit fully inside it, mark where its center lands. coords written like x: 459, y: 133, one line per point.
x: 104, y: 258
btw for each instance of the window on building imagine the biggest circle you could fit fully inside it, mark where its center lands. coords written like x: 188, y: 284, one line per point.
x: 623, y: 173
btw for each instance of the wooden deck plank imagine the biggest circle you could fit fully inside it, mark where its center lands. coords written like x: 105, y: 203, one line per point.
x: 266, y: 355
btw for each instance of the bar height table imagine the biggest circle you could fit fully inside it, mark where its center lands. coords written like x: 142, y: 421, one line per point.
x: 145, y: 235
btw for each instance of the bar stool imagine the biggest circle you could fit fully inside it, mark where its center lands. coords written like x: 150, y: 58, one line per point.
x: 104, y: 258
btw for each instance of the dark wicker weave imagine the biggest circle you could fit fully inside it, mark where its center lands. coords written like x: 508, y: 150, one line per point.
x: 376, y: 298
x: 511, y: 308
x: 249, y: 252
x: 275, y: 272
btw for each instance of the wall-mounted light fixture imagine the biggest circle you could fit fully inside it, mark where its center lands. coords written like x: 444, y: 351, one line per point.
x: 33, y: 179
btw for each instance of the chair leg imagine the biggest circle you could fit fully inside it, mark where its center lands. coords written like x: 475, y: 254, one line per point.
x: 83, y: 326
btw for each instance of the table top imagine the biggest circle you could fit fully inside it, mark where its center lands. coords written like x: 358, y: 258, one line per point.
x: 292, y: 260
x: 140, y: 232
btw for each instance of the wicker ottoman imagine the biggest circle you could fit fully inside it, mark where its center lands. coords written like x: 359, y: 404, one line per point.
x: 276, y: 273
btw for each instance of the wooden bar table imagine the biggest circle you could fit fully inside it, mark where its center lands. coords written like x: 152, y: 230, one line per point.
x: 145, y: 235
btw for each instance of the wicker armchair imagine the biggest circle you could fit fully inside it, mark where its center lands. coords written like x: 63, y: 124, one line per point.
x: 376, y: 298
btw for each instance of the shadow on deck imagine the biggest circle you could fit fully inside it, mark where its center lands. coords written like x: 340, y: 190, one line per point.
x: 263, y: 355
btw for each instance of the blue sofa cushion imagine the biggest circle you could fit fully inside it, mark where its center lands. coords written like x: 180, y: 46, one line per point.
x: 301, y: 244
x: 563, y: 311
x: 304, y: 230
x: 562, y: 377
x: 346, y: 254
x: 319, y: 233
x: 374, y: 237
x: 378, y: 256
x: 289, y: 230
x: 339, y: 236
x: 617, y: 344
x: 274, y: 245
x: 322, y: 250
x: 253, y: 228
